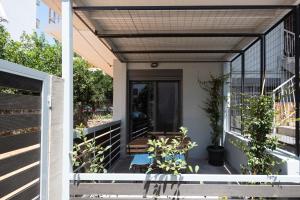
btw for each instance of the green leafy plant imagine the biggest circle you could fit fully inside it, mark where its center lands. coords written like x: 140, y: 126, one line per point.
x: 213, y: 105
x: 258, y: 115
x: 165, y: 153
x: 87, y: 156
x: 92, y: 88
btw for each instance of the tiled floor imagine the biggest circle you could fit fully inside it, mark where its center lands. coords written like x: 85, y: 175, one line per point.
x: 122, y: 166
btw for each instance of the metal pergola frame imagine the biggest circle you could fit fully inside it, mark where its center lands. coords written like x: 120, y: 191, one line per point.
x: 118, y: 53
x: 68, y: 87
x: 295, y: 13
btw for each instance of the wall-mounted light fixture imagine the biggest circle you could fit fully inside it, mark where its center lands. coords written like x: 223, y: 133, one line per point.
x: 154, y: 65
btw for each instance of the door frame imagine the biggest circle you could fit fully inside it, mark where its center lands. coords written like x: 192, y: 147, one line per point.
x: 154, y: 75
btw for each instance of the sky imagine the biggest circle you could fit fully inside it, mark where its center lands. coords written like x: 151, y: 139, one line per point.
x: 42, y: 15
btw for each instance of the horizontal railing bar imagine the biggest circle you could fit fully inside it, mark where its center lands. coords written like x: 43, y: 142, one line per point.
x: 99, y: 136
x: 139, y: 130
x: 191, y: 7
x: 115, y: 142
x: 115, y: 156
x: 109, y: 162
x: 95, y: 138
x: 186, y: 177
x: 89, y: 161
x: 139, y: 135
x: 115, y: 149
x: 116, y: 135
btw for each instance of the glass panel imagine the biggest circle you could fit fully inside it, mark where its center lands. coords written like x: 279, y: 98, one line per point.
x: 141, y: 106
x: 155, y: 105
x: 168, y: 106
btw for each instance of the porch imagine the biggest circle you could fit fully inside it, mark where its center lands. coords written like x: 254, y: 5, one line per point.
x: 180, y: 45
x: 168, y: 47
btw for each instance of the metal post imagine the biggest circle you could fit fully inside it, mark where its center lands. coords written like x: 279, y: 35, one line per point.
x: 262, y: 63
x: 297, y: 92
x: 242, y: 87
x: 67, y: 75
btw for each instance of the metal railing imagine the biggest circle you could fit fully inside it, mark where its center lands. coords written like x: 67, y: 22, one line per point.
x: 104, y: 135
x: 289, y: 43
x: 285, y: 110
x: 139, y: 129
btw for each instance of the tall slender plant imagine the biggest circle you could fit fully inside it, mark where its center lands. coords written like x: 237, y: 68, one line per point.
x: 213, y: 105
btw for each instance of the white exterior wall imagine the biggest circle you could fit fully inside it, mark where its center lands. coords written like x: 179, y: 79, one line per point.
x: 120, y: 99
x: 194, y: 118
x: 21, y: 16
x: 235, y: 157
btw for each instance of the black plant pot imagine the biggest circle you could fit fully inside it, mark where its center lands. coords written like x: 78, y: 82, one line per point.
x: 216, y: 155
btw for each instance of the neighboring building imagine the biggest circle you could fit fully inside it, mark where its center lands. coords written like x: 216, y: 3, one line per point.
x: 21, y: 18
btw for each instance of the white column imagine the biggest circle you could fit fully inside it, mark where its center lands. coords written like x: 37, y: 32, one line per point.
x: 120, y: 99
x: 226, y: 102
x: 67, y: 75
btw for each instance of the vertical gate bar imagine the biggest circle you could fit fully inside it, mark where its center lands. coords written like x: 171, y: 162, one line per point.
x: 242, y: 87
x: 297, y: 53
x: 262, y: 62
x: 67, y: 75
x: 110, y: 146
x: 230, y: 97
x: 95, y: 144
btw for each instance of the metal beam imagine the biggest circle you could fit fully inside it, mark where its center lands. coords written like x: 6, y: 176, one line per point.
x: 262, y: 63
x: 180, y: 61
x: 242, y: 87
x: 176, y: 51
x: 146, y: 35
x: 297, y: 89
x: 192, y: 7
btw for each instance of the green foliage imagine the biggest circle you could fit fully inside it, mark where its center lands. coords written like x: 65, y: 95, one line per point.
x: 258, y: 115
x: 165, y: 151
x: 213, y: 105
x: 87, y: 155
x: 91, y: 88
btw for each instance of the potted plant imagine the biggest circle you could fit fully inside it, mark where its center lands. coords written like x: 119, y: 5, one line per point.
x: 213, y: 108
